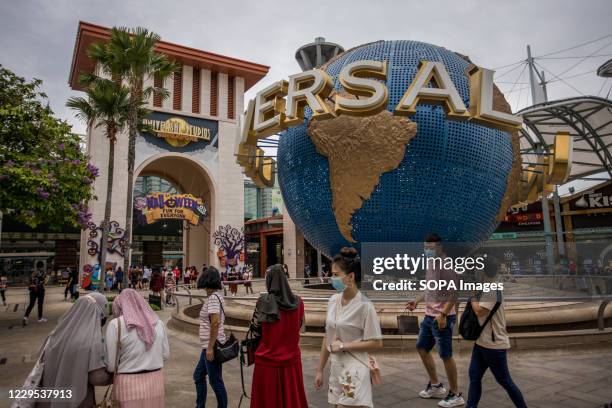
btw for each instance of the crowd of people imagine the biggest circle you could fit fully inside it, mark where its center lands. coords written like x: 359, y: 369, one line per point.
x: 352, y: 332
x: 131, y: 353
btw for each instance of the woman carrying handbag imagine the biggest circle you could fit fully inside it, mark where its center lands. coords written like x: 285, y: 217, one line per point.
x: 211, y: 334
x: 141, y: 350
x: 352, y: 330
x: 73, y: 356
x: 279, y: 314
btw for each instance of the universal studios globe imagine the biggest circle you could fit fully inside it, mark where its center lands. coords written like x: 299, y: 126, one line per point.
x: 451, y: 180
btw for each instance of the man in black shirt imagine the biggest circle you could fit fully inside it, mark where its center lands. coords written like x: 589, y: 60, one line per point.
x: 38, y: 280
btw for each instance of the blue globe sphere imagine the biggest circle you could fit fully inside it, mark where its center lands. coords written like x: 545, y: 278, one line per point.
x: 451, y: 181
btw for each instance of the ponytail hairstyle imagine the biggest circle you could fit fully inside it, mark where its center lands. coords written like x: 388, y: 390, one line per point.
x: 348, y: 260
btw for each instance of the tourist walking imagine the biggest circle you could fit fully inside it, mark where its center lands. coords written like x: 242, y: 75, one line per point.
x: 352, y: 330
x: 194, y: 274
x: 73, y: 354
x: 157, y: 283
x: 491, y: 348
x: 437, y: 326
x: 187, y: 276
x: 74, y: 282
x: 3, y: 286
x: 109, y: 278
x: 279, y: 314
x: 38, y: 280
x: 212, y: 319
x: 247, y: 277
x: 233, y: 276
x: 67, y: 276
x: 170, y: 285
x: 146, y: 277
x: 142, y: 349
x: 119, y: 279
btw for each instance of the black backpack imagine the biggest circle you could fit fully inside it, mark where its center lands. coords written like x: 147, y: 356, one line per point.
x: 469, y: 328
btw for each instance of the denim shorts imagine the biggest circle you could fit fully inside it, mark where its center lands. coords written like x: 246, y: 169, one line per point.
x: 430, y: 335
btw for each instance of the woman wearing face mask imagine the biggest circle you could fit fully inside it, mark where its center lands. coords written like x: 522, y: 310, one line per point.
x: 74, y: 353
x: 352, y: 329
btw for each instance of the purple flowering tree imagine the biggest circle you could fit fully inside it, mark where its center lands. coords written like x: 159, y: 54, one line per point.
x: 43, y: 169
x: 230, y: 240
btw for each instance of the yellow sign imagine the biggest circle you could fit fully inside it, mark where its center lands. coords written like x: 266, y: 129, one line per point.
x: 177, y: 132
x: 157, y: 206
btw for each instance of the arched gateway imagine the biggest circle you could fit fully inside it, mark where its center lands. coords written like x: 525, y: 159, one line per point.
x: 191, y: 150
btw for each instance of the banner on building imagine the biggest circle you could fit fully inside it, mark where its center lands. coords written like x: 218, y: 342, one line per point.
x: 159, y: 206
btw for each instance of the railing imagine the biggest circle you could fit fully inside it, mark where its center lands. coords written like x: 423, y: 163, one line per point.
x: 603, y: 299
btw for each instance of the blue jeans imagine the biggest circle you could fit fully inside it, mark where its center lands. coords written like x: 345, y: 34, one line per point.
x: 430, y: 335
x: 483, y: 358
x: 215, y: 377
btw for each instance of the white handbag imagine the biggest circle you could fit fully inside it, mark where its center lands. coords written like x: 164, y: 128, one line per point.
x: 32, y: 382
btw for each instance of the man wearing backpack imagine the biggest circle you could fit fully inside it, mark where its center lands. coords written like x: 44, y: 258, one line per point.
x: 437, y: 327
x: 490, y: 349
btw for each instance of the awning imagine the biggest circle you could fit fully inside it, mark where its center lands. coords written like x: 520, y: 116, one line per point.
x: 588, y: 119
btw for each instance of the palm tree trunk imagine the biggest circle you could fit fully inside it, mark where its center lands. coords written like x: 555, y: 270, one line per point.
x: 133, y: 132
x: 107, y: 207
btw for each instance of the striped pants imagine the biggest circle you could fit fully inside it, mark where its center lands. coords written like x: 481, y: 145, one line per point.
x: 140, y: 390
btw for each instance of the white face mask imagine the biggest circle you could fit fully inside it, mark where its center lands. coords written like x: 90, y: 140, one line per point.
x: 430, y: 253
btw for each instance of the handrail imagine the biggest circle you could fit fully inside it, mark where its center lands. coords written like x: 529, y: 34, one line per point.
x: 461, y: 299
x: 601, y: 322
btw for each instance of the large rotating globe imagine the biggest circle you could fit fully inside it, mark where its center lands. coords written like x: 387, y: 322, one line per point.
x: 350, y: 180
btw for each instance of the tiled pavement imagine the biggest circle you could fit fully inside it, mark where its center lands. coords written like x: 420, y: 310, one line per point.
x: 548, y: 378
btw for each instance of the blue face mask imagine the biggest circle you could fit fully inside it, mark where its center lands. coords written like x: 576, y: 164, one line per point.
x: 338, y: 284
x: 430, y: 253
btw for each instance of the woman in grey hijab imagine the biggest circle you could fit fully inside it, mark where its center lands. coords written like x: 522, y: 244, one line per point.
x: 74, y: 353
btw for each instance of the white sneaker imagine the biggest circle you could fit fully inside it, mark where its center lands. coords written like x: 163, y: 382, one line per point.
x: 42, y: 320
x: 25, y: 321
x: 452, y: 400
x: 433, y: 391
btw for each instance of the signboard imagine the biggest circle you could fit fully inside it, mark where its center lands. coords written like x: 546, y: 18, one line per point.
x: 593, y: 200
x: 597, y: 198
x: 159, y: 206
x: 179, y: 133
x: 525, y: 219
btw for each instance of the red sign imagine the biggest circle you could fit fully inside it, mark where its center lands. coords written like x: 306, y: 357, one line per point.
x: 525, y: 219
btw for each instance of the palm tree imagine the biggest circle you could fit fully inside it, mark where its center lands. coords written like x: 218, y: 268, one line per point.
x: 130, y: 56
x: 106, y: 106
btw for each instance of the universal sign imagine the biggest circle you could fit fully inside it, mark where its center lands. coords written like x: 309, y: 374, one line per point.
x: 176, y: 131
x: 281, y: 104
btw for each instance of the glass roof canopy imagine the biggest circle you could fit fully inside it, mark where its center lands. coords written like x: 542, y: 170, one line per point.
x: 588, y: 119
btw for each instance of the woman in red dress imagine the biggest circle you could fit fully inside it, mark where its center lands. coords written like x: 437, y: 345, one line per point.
x: 278, y: 317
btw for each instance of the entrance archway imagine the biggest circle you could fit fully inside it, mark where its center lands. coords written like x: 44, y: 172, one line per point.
x: 190, y: 177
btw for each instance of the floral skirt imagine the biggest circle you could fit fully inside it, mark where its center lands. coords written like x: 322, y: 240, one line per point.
x: 349, y: 380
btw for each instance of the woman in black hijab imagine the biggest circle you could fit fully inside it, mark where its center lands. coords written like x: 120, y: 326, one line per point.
x: 278, y: 318
x: 279, y: 296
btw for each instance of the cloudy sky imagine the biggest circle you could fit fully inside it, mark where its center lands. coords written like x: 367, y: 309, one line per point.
x: 37, y: 37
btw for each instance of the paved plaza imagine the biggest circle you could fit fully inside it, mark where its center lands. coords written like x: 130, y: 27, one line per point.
x: 570, y: 378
